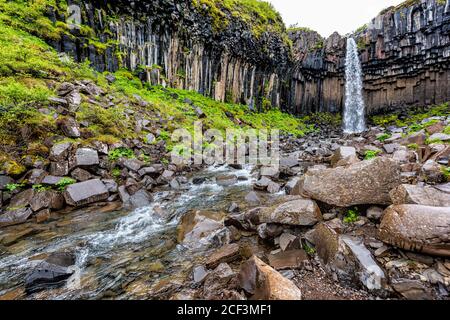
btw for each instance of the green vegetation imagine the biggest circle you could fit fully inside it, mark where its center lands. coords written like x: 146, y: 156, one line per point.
x: 371, y: 154
x: 64, y: 183
x: 446, y: 172
x: 413, y: 146
x: 362, y: 28
x: 384, y: 137
x: 309, y: 250
x: 40, y: 188
x: 351, y: 216
x: 260, y: 15
x: 11, y: 187
x: 118, y: 153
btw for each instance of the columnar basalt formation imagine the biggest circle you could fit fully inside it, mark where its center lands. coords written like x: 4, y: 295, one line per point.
x: 405, y: 54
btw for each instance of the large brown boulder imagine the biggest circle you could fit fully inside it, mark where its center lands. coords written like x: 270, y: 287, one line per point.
x: 366, y: 182
x: 417, y: 228
x: 426, y: 196
x: 262, y: 282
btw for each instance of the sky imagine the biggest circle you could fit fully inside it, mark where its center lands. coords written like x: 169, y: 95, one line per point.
x: 327, y: 16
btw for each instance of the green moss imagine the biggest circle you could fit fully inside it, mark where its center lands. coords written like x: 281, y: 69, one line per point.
x: 384, y: 137
x: 118, y: 153
x: 64, y: 183
x: 11, y: 187
x: 446, y: 172
x: 413, y: 146
x: 351, y: 216
x: 371, y: 154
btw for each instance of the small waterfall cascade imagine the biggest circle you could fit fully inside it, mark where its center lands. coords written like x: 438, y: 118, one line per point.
x: 354, y: 110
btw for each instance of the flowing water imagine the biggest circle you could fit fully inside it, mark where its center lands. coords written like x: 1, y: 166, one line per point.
x: 120, y: 254
x: 354, y: 110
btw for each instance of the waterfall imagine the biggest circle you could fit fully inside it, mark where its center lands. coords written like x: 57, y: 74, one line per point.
x: 354, y: 110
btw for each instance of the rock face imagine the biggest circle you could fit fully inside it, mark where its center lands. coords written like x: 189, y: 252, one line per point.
x: 87, y: 192
x: 367, y: 182
x: 417, y: 228
x: 427, y: 196
x: 264, y: 283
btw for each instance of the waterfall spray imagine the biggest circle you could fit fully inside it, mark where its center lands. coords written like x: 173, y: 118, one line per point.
x: 354, y: 110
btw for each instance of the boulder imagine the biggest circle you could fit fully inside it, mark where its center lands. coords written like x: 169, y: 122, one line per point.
x: 375, y: 213
x: 432, y: 172
x: 416, y: 138
x: 59, y: 152
x: 412, y: 289
x: 367, y: 182
x: 140, y: 199
x: 14, y: 217
x: 348, y: 259
x: 269, y: 230
x: 221, y: 284
x: 48, y: 199
x: 4, y: 181
x: 273, y: 187
x: 300, y: 212
x: 440, y: 137
x: 197, y: 225
x: 69, y: 127
x: 342, y: 153
x: 262, y: 183
x: 22, y: 199
x: 271, y: 172
x: 400, y: 228
x: 226, y: 180
x: 293, y: 187
x: 60, y: 168
x: 390, y: 148
x: 81, y: 175
x: 34, y: 176
x: 51, y: 180
x: 226, y: 254
x: 87, y: 192
x: 292, y: 259
x: 85, y: 157
x: 262, y: 282
x: 422, y: 195
x: 133, y: 164
x: 252, y: 198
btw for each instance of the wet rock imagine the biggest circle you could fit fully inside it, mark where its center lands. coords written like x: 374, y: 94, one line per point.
x: 69, y: 127
x: 252, y: 198
x: 196, y: 225
x: 348, y: 259
x: 51, y: 273
x: 81, y: 175
x: 198, y: 181
x: 12, y: 238
x: 301, y: 212
x: 375, y: 213
x: 199, y: 274
x: 342, y: 153
x: 269, y: 230
x: 60, y: 152
x: 411, y: 289
x: 292, y: 259
x: 140, y: 199
x: 43, y: 216
x: 87, y: 192
x: 399, y: 228
x: 14, y: 217
x: 226, y: 254
x: 264, y: 283
x: 85, y: 157
x: 226, y: 180
x: 426, y: 196
x: 367, y: 182
x: 59, y: 168
x: 48, y: 199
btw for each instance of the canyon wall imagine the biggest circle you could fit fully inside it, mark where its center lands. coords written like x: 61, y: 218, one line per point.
x: 405, y: 53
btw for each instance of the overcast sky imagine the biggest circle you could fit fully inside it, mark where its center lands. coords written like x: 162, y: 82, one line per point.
x: 327, y: 16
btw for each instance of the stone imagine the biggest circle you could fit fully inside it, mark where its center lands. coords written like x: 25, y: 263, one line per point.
x: 197, y: 225
x: 226, y: 180
x: 22, y: 199
x: 399, y: 228
x: 81, y: 175
x: 435, y: 128
x: 293, y: 187
x: 226, y: 254
x: 252, y: 198
x: 269, y: 231
x: 367, y: 182
x: 301, y: 212
x: 48, y: 199
x: 60, y: 168
x: 85, y: 157
x: 422, y: 195
x: 14, y: 217
x: 123, y: 194
x: 262, y: 282
x: 391, y: 147
x: 111, y: 185
x: 289, y: 241
x: 133, y: 164
x: 4, y: 181
x: 167, y: 175
x: 199, y: 274
x: 375, y: 213
x: 349, y: 259
x: 394, y: 137
x: 432, y: 172
x: 262, y: 183
x: 221, y: 284
x: 292, y: 259
x: 342, y: 153
x: 411, y: 289
x: 51, y: 180
x: 416, y: 138
x: 51, y: 273
x: 35, y: 176
x: 43, y: 216
x: 69, y: 127
x: 440, y: 137
x: 271, y: 172
x: 87, y: 192
x: 140, y: 199
x: 273, y: 187
x: 234, y: 208
x: 152, y: 171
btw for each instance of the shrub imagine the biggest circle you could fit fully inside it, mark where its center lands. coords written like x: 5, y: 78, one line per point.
x: 118, y: 153
x: 371, y: 154
x: 351, y: 216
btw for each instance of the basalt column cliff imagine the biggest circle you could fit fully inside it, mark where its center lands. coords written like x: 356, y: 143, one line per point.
x: 235, y: 54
